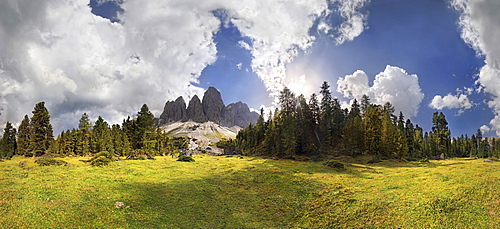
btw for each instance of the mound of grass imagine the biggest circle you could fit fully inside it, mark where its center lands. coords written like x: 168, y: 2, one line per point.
x: 47, y: 161
x: 100, y: 161
x: 335, y: 164
x: 102, y: 158
x: 185, y: 158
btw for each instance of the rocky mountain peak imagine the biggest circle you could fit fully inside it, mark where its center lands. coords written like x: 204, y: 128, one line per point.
x: 213, y: 105
x: 211, y: 108
x: 195, y: 110
x: 174, y: 111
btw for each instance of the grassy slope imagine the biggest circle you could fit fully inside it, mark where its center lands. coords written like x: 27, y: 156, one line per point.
x: 250, y: 192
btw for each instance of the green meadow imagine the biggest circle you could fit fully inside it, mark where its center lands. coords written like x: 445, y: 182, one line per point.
x: 249, y: 192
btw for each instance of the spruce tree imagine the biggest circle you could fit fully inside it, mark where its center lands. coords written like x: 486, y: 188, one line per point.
x: 353, y: 132
x: 23, y: 137
x: 84, y: 123
x: 8, y: 144
x: 442, y: 141
x: 41, y: 135
x: 101, y: 137
x: 326, y: 120
x: 144, y: 126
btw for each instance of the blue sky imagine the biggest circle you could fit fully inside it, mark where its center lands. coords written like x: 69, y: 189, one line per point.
x: 108, y: 57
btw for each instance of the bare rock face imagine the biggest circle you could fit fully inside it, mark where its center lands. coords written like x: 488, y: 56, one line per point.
x: 238, y: 114
x: 211, y: 109
x: 213, y: 105
x: 195, y: 110
x: 174, y: 111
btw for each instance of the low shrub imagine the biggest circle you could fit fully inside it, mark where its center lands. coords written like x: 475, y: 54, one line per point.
x: 375, y: 159
x: 335, y: 164
x: 47, y: 161
x: 100, y: 161
x: 186, y: 158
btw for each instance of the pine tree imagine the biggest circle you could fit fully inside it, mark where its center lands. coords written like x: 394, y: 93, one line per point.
x: 144, y: 127
x: 353, y: 132
x: 314, y: 106
x: 8, y: 144
x: 23, y: 137
x: 305, y: 128
x: 41, y: 135
x: 326, y: 120
x: 373, y: 130
x: 101, y: 137
x: 84, y: 123
x: 365, y: 103
x: 287, y: 123
x: 441, y: 133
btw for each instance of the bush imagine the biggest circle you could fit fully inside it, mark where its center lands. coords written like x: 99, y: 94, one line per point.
x: 46, y: 161
x: 375, y: 159
x: 100, y: 161
x: 186, y: 158
x: 335, y: 164
x: 102, y: 158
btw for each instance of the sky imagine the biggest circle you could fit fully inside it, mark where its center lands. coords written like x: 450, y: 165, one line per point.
x: 108, y: 57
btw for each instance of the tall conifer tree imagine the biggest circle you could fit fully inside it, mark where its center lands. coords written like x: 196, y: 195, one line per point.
x: 23, y: 137
x: 41, y: 130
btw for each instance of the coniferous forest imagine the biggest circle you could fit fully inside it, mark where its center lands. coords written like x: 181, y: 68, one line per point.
x: 136, y: 138
x: 301, y: 129
x: 316, y: 129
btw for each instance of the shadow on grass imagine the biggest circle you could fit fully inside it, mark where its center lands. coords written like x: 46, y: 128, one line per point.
x: 260, y: 198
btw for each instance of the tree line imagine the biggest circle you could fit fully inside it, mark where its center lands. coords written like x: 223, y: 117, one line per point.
x: 135, y: 138
x: 318, y: 128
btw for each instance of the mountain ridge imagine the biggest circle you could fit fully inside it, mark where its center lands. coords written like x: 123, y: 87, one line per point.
x: 210, y: 109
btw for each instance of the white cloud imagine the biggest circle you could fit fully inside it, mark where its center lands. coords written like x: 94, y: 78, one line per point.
x: 485, y: 129
x: 59, y: 52
x: 460, y: 101
x: 480, y: 26
x: 392, y: 85
x: 353, y: 86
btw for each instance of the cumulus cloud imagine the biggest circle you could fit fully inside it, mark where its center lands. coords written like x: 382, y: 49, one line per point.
x: 460, y: 101
x: 353, y: 86
x: 59, y: 52
x: 393, y: 85
x: 480, y: 26
x: 485, y: 129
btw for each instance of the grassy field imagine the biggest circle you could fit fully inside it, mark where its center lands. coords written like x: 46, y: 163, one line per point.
x: 249, y: 192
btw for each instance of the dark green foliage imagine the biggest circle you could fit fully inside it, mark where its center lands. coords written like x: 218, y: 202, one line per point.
x: 374, y: 159
x: 335, y: 164
x: 48, y: 161
x: 100, y: 161
x: 41, y: 135
x: 223, y: 144
x: 315, y: 131
x: 102, y: 158
x: 84, y: 123
x: 8, y: 144
x: 23, y: 137
x: 441, y: 141
x: 185, y: 158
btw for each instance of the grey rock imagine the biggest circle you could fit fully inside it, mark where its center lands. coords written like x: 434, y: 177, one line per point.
x: 174, y: 111
x: 213, y: 105
x: 195, y: 110
x: 212, y: 108
x: 238, y: 114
